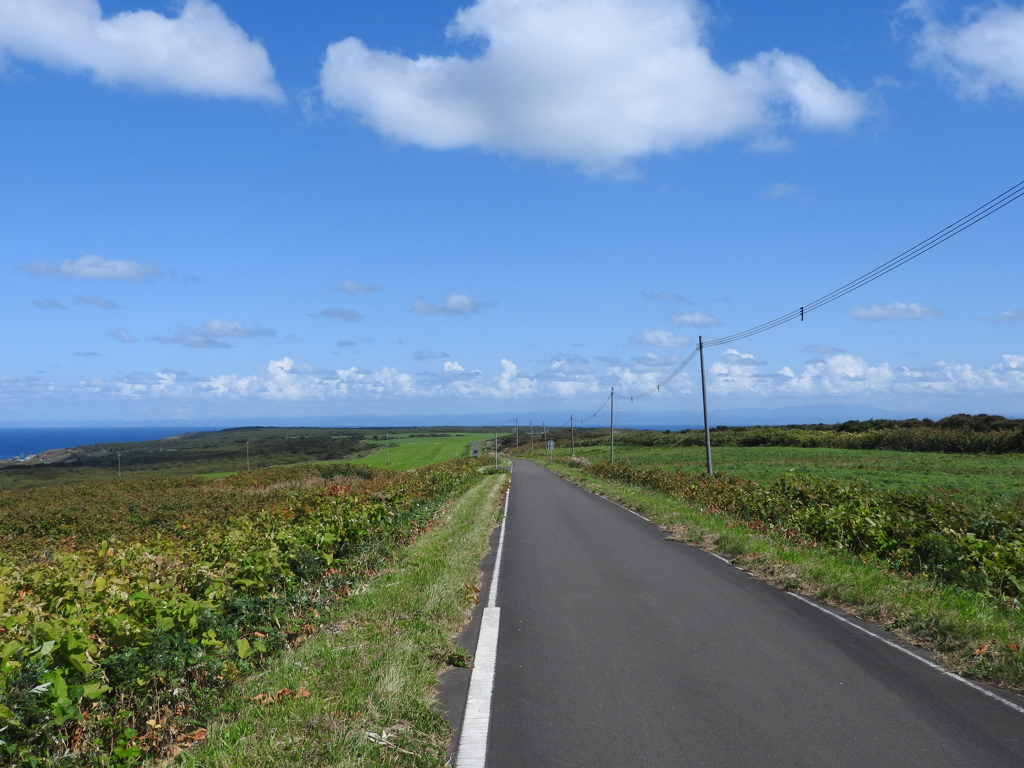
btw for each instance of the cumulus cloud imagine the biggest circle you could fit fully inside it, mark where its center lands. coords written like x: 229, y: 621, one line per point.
x: 662, y: 338
x: 851, y: 376
x: 896, y: 310
x: 209, y: 335
x: 199, y: 52
x: 338, y: 313
x: 349, y: 286
x: 93, y: 268
x: 593, y: 82
x: 454, y: 304
x: 981, y: 55
x: 1003, y: 318
x: 695, y: 319
x: 100, y: 302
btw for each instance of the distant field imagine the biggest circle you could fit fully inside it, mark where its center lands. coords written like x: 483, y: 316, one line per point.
x: 409, y: 452
x: 976, y: 480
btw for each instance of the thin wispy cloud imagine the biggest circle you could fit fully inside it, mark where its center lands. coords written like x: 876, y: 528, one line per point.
x: 348, y: 286
x: 94, y: 267
x: 1006, y: 318
x: 662, y: 338
x: 425, y: 354
x: 695, y: 319
x: 453, y: 304
x: 896, y: 310
x: 100, y: 302
x: 339, y: 313
x: 597, y: 84
x: 822, y: 349
x: 199, y: 52
x: 779, y: 190
x: 666, y: 296
x: 210, y: 335
x: 48, y: 304
x: 123, y: 336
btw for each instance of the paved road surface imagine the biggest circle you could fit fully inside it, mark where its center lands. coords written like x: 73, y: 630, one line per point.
x: 618, y: 648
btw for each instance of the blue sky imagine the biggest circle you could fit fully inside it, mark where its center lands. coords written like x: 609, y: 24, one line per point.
x: 248, y: 210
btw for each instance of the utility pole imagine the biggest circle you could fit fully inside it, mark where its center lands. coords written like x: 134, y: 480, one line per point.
x: 572, y: 438
x: 246, y: 455
x: 495, y: 450
x: 611, y: 458
x: 517, y: 433
x: 531, y: 437
x: 118, y: 466
x: 704, y: 394
x: 387, y: 449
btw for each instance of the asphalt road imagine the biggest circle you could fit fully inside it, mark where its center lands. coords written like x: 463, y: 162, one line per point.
x: 619, y: 648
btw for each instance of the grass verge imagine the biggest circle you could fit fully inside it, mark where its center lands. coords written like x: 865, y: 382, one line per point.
x: 359, y: 692
x: 967, y: 633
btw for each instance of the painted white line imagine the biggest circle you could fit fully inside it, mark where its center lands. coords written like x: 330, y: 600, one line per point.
x: 927, y: 662
x: 476, y: 722
x: 492, y: 598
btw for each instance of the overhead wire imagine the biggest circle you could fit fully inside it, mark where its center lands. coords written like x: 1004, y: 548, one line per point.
x: 978, y: 214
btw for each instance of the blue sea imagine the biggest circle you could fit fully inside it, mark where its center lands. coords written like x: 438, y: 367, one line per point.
x: 27, y: 441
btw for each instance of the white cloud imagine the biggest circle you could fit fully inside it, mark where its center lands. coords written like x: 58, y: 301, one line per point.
x: 208, y: 334
x: 779, y: 190
x: 983, y: 54
x: 592, y: 82
x: 338, y: 313
x: 662, y: 338
x: 454, y: 304
x: 453, y: 367
x: 735, y: 377
x: 94, y: 268
x: 199, y: 52
x: 896, y: 310
x: 350, y: 287
x: 695, y: 319
x: 1007, y: 317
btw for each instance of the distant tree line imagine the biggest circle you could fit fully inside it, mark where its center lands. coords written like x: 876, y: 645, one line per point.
x: 961, y: 433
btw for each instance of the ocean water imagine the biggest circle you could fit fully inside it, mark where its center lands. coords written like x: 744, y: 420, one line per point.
x: 27, y: 441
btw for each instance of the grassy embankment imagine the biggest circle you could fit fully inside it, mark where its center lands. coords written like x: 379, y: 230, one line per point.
x: 359, y: 692
x: 759, y: 509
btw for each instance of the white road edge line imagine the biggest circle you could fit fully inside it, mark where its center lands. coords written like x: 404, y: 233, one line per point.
x: 472, y: 752
x: 927, y: 662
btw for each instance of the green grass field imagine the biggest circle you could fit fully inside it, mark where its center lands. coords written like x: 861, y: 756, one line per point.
x: 409, y: 452
x: 975, y: 480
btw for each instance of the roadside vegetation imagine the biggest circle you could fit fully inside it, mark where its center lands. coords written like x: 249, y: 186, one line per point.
x: 128, y: 608
x: 930, y: 545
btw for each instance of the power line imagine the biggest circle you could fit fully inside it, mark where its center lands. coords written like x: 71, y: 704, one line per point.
x: 979, y: 214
